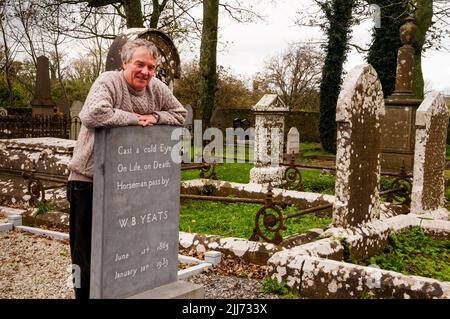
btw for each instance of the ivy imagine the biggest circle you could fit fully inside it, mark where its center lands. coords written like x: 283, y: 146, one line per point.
x: 338, y: 29
x: 412, y: 252
x: 386, y: 42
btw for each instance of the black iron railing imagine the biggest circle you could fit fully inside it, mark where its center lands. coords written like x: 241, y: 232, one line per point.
x: 27, y: 126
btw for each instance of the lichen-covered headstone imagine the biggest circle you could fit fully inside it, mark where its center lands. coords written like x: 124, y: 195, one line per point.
x: 429, y: 161
x: 293, y: 141
x: 269, y: 140
x: 75, y: 126
x: 359, y: 111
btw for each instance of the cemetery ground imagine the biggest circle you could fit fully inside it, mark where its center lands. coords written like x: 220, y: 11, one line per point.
x: 35, y: 266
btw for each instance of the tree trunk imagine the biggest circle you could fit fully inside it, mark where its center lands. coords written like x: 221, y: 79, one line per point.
x: 423, y: 18
x: 383, y: 51
x: 133, y: 12
x: 156, y: 13
x: 339, y: 14
x: 208, y: 56
x: 132, y: 8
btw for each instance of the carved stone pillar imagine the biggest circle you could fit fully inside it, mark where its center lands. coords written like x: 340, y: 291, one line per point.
x: 269, y: 140
x: 398, y: 126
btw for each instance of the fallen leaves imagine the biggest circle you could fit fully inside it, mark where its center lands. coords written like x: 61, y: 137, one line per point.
x: 231, y: 266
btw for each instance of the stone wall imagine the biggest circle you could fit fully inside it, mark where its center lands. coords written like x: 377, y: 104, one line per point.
x: 306, y: 122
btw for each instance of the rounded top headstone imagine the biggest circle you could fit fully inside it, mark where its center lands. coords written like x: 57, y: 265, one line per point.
x: 169, y: 64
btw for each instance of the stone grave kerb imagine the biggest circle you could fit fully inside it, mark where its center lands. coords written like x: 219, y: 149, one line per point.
x: 269, y: 140
x: 398, y: 127
x: 359, y: 110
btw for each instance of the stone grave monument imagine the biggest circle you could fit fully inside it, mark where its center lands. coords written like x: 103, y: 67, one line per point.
x: 427, y: 194
x: 398, y: 126
x: 169, y: 67
x: 359, y: 110
x: 63, y: 106
x: 189, y: 122
x: 269, y: 140
x: 42, y: 103
x: 75, y: 108
x: 136, y: 215
x: 293, y: 141
x: 75, y: 123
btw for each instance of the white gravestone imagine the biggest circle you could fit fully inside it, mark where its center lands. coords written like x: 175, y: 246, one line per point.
x: 269, y: 140
x: 293, y: 141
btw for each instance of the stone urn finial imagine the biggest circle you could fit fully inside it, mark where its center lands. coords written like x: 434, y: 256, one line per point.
x: 408, y: 31
x: 405, y: 60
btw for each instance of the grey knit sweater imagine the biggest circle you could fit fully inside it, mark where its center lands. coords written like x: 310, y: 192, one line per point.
x: 111, y: 102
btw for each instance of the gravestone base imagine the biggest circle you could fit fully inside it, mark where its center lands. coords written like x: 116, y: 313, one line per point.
x: 393, y: 161
x: 398, y: 133
x: 42, y: 111
x: 262, y: 175
x: 175, y: 290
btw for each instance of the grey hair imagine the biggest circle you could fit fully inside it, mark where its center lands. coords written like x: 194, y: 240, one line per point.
x: 130, y: 46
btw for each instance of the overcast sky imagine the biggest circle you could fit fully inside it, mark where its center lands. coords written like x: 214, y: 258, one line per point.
x: 244, y: 47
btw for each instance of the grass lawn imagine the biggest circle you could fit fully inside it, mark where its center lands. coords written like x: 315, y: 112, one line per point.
x: 236, y: 219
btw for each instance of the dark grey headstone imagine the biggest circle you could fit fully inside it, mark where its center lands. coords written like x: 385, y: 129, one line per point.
x: 42, y: 97
x: 190, y: 116
x: 135, y: 211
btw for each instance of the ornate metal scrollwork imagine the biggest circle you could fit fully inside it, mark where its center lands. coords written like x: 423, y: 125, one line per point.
x: 293, y: 179
x: 403, y: 184
x: 403, y: 195
x: 34, y: 187
x: 208, y: 171
x: 271, y: 218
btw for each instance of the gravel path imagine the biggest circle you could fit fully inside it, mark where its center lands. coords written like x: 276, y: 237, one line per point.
x: 35, y: 267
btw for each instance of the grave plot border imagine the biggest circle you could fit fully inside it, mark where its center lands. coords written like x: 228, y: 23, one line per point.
x: 315, y: 270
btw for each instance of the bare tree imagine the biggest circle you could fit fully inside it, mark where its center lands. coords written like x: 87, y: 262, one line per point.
x: 23, y: 25
x: 6, y: 53
x: 295, y: 74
